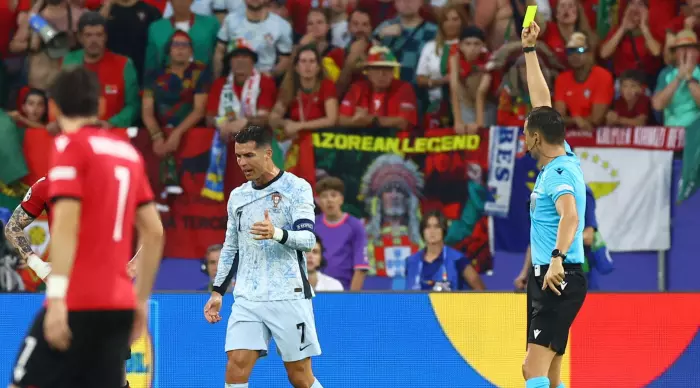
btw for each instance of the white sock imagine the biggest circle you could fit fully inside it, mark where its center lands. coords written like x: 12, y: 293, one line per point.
x: 244, y: 385
x: 316, y: 384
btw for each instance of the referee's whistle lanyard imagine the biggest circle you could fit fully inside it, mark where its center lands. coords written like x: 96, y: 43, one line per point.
x: 443, y: 268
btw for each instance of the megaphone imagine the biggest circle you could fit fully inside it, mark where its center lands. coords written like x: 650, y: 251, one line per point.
x: 56, y: 42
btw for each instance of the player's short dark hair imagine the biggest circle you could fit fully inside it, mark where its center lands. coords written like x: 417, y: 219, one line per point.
x: 261, y: 135
x: 91, y: 19
x: 635, y: 75
x: 76, y: 92
x: 330, y: 183
x: 323, y: 262
x: 548, y: 122
x: 442, y: 222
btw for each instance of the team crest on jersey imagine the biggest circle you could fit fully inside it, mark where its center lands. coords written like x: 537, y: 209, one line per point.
x: 269, y: 39
x: 276, y: 199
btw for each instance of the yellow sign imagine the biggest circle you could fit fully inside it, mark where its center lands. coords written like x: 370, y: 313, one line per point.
x: 416, y: 145
x: 139, y: 369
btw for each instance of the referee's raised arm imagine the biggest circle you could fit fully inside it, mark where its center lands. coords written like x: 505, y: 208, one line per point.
x: 539, y: 90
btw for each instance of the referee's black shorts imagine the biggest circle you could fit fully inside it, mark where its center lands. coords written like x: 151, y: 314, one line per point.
x: 94, y: 359
x: 549, y: 317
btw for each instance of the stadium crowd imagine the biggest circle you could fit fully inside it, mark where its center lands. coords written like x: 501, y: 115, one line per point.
x: 304, y: 65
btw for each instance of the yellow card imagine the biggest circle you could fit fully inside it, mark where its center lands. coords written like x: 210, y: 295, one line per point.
x: 529, y: 15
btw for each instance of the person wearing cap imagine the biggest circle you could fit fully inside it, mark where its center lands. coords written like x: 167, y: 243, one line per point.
x: 677, y: 90
x: 381, y: 100
x: 688, y: 19
x: 175, y: 98
x: 243, y: 95
x: 119, y: 105
x: 583, y: 94
x: 470, y: 83
x: 202, y: 29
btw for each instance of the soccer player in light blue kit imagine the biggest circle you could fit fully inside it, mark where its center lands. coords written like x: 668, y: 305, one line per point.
x: 270, y: 227
x: 557, y: 286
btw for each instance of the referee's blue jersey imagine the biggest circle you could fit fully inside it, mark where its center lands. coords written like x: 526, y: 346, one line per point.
x: 561, y: 176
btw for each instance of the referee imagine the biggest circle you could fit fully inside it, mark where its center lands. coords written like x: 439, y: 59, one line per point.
x: 556, y: 286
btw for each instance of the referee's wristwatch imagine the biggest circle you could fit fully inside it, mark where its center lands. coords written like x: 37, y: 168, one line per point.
x: 558, y: 253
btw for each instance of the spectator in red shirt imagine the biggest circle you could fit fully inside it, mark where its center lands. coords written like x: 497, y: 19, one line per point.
x: 632, y: 45
x: 34, y: 111
x: 308, y: 101
x: 253, y: 96
x: 381, y: 100
x: 632, y: 107
x: 360, y: 30
x: 583, y: 94
x: 568, y: 18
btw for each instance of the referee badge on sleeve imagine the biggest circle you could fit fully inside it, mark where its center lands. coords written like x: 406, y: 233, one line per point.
x: 533, y: 201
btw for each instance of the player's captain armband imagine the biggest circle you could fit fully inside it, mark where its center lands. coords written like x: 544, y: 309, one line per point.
x: 303, y: 224
x: 57, y: 287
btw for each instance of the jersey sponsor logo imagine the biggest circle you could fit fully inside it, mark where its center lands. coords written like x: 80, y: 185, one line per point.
x: 117, y: 148
x: 65, y: 173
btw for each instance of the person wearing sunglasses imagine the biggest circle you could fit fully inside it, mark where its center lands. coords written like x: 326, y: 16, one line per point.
x: 583, y: 94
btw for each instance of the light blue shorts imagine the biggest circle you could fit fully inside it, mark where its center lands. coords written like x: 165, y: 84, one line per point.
x: 290, y: 322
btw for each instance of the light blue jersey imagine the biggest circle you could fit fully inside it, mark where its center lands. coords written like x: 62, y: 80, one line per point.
x: 268, y: 270
x: 561, y: 176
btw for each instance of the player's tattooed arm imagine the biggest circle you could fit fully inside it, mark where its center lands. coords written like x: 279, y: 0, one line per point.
x: 14, y: 231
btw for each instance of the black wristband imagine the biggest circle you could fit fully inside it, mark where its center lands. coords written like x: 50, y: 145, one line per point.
x: 285, y: 236
x: 529, y: 49
x: 221, y: 290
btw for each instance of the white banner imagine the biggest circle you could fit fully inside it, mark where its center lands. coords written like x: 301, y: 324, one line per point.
x: 632, y: 188
x: 503, y: 146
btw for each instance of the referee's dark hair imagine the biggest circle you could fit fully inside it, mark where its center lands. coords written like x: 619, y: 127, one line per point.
x: 76, y: 93
x: 261, y: 135
x: 91, y: 19
x: 442, y: 222
x: 548, y: 122
x: 323, y: 262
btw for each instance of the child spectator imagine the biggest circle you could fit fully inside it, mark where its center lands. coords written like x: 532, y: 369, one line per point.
x: 315, y: 262
x: 345, y: 236
x: 632, y: 107
x: 34, y: 110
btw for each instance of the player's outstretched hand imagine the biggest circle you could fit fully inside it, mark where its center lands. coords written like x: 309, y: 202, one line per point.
x: 263, y: 230
x: 529, y: 35
x: 554, y: 277
x: 140, y: 319
x: 56, y: 329
x: 212, y: 308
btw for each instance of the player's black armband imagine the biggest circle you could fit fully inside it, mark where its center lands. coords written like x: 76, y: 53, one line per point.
x: 221, y: 290
x: 304, y: 224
